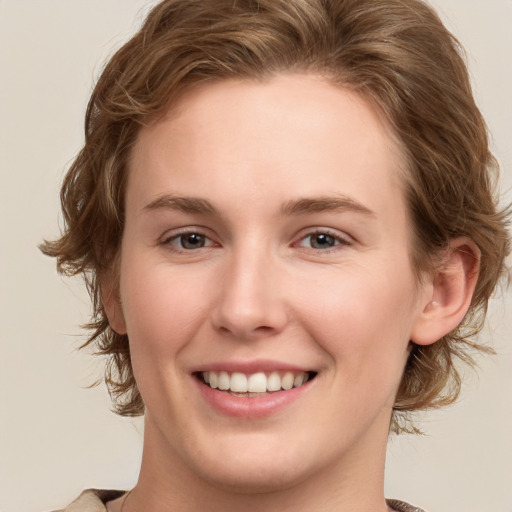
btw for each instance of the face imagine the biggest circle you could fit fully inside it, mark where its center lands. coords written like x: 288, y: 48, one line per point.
x: 265, y: 281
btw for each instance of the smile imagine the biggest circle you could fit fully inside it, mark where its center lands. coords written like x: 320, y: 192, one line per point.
x: 254, y: 384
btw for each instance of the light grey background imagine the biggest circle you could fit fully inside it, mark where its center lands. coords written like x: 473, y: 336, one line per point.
x: 56, y: 436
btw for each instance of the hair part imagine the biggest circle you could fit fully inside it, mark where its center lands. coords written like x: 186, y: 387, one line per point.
x: 396, y: 53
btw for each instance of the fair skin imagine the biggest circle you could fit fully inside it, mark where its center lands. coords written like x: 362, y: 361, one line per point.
x: 267, y: 233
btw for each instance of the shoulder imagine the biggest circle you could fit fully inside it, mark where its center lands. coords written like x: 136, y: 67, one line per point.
x: 92, y: 500
x: 401, y: 506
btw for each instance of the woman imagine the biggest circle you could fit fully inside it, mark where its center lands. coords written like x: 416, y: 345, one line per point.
x: 284, y: 215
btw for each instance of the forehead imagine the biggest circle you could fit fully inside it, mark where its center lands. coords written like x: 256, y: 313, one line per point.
x: 290, y: 135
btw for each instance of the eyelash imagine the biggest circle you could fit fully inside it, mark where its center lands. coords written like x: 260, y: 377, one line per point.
x: 338, y: 239
x: 335, y: 237
x: 168, y: 241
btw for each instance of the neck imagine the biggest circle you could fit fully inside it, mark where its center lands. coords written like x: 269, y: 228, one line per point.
x: 353, y: 484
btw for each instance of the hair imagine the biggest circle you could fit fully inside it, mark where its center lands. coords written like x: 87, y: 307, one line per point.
x: 395, y: 53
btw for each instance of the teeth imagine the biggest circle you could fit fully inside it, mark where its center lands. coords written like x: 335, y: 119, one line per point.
x: 287, y: 380
x: 224, y: 381
x: 238, y: 383
x: 274, y: 382
x: 257, y: 383
x: 299, y: 380
x: 254, y: 383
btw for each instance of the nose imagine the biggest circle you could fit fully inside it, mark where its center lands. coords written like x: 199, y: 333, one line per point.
x: 249, y: 303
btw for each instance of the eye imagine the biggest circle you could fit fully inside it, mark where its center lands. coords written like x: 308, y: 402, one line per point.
x: 322, y: 240
x: 189, y: 241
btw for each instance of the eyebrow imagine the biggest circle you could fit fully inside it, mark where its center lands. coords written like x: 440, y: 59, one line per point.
x: 324, y: 204
x: 183, y: 204
x: 196, y: 205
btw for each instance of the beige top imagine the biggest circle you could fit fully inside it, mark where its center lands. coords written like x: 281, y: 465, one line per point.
x: 93, y: 500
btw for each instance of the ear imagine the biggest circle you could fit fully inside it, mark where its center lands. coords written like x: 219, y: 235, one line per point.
x: 112, y: 305
x: 449, y: 292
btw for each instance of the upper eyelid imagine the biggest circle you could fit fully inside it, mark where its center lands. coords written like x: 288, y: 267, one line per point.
x: 173, y: 233
x: 340, y: 235
x: 167, y: 239
x: 343, y: 237
x: 168, y: 242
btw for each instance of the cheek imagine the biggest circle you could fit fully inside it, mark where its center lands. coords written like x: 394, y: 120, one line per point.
x: 364, y: 318
x: 162, y: 309
x: 163, y: 314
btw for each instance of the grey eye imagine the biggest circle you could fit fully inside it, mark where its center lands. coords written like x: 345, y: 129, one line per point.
x: 190, y: 241
x: 321, y: 241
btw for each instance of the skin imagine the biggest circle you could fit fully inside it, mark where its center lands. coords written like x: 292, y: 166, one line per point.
x: 263, y: 282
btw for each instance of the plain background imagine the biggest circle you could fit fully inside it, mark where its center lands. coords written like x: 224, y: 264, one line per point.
x: 58, y: 437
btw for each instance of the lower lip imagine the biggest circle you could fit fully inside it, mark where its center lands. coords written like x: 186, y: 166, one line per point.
x: 250, y: 407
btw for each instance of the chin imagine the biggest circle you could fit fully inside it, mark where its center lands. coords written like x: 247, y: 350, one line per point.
x: 256, y: 467
x: 255, y: 480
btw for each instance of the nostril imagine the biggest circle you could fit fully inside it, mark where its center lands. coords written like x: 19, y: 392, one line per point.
x: 246, y: 332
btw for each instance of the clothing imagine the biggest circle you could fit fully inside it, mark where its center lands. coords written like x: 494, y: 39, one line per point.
x: 93, y: 500
x: 401, y: 506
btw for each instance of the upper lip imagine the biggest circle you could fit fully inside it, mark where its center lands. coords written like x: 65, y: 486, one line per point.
x: 249, y: 367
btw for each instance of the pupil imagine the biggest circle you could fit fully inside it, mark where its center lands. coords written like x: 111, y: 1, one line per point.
x: 322, y: 240
x: 192, y: 241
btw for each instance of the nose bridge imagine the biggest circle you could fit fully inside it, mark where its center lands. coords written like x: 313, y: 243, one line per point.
x: 249, y: 301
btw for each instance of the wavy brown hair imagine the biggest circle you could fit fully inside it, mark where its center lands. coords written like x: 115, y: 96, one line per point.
x: 396, y: 53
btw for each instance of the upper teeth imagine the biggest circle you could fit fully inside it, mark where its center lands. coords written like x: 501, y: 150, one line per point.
x: 255, y: 382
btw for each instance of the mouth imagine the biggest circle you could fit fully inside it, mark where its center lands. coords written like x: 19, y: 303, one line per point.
x: 254, y: 384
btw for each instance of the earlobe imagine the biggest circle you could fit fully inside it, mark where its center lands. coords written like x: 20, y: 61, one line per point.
x: 450, y: 292
x: 112, y: 306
